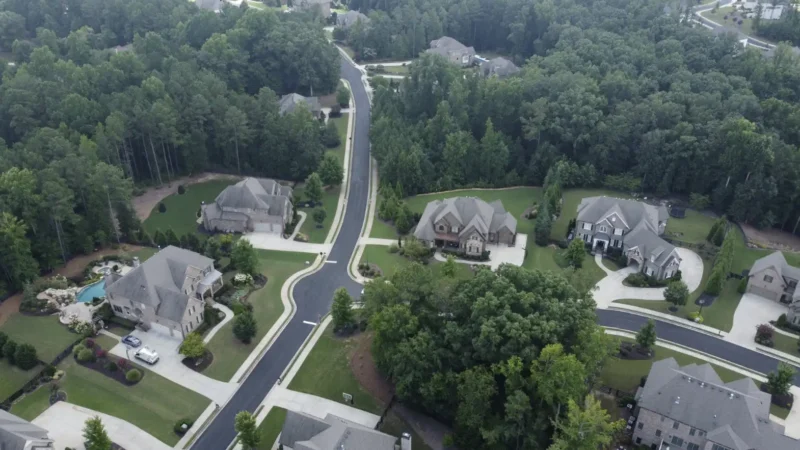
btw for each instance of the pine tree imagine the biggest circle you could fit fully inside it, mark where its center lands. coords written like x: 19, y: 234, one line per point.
x: 330, y: 170
x: 172, y: 238
x: 449, y: 267
x: 159, y: 238
x: 245, y: 327
x: 313, y: 189
x: 575, y: 254
x: 543, y: 225
x: 95, y: 435
x: 646, y: 337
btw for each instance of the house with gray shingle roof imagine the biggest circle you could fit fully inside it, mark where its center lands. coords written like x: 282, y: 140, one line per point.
x: 210, y: 5
x: 453, y: 51
x: 774, y: 278
x: 467, y: 224
x: 348, y: 19
x: 305, y: 432
x: 166, y: 293
x: 498, y: 67
x: 253, y: 204
x: 635, y: 228
x: 690, y: 407
x: 19, y: 434
x: 290, y: 102
x: 323, y: 6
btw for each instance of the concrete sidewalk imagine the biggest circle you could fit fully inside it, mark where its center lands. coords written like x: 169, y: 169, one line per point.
x: 217, y: 327
x: 376, y: 241
x: 64, y: 422
x: 269, y: 241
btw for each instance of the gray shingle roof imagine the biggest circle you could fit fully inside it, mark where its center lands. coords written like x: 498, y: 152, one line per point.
x: 346, y: 20
x: 735, y: 414
x: 469, y: 213
x: 211, y: 5
x: 257, y: 194
x: 160, y: 281
x: 304, y: 432
x: 500, y: 67
x: 15, y: 432
x: 778, y: 262
x: 290, y: 102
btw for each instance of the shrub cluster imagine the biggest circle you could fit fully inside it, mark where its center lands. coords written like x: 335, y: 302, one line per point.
x: 20, y: 355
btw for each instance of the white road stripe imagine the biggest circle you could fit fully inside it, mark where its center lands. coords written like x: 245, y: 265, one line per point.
x: 330, y: 262
x: 309, y: 323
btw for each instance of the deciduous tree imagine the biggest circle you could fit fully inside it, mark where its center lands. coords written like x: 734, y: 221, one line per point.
x: 245, y: 425
x: 342, y: 311
x: 95, y: 435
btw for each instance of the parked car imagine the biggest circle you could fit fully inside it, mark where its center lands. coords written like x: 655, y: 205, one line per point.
x: 147, y: 355
x: 132, y: 341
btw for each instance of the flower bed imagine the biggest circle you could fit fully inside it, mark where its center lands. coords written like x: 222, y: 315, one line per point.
x: 629, y: 350
x: 90, y: 355
x: 369, y: 270
x: 201, y: 364
x: 784, y: 401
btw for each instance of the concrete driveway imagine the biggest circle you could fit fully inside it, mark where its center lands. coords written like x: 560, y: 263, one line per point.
x: 611, y: 288
x: 752, y: 312
x: 270, y: 241
x: 64, y: 422
x: 500, y: 254
x: 170, y: 366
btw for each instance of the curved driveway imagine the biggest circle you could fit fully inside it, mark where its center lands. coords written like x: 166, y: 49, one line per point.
x: 314, y: 294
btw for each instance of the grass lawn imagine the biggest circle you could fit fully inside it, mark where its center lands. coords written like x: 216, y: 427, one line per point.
x: 569, y: 208
x: 43, y: 332
x: 145, y: 253
x: 105, y: 342
x: 744, y: 257
x: 549, y: 258
x: 611, y: 265
x: 154, y: 405
x: 514, y: 200
x: 181, y: 213
x: 326, y: 373
x: 747, y: 24
x: 229, y: 353
x: 719, y: 315
x: 33, y: 404
x: 341, y: 125
x: 692, y: 228
x: 271, y: 427
x: 785, y: 344
x: 12, y: 378
x: 330, y: 200
x: 390, y: 263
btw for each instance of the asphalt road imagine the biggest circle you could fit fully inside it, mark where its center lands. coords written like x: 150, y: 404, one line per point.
x: 313, y: 294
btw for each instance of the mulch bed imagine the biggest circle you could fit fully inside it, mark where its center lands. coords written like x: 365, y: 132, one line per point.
x: 206, y: 361
x: 363, y: 367
x: 374, y: 271
x: 99, y: 365
x: 706, y: 298
x: 628, y: 350
x: 784, y: 401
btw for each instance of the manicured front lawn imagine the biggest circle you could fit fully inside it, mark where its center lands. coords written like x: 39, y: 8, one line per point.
x: 145, y: 253
x: 271, y: 427
x: 719, y: 16
x: 515, y: 201
x: 785, y: 343
x: 326, y: 373
x: 390, y: 263
x: 12, y: 378
x: 341, y: 125
x: 33, y: 404
x: 181, y: 214
x: 43, y: 332
x: 330, y: 200
x: 719, y: 315
x: 778, y: 411
x: 154, y: 404
x: 693, y: 228
x: 549, y: 258
x: 744, y: 257
x: 569, y: 208
x: 229, y: 353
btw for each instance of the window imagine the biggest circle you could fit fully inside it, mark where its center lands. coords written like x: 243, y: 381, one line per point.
x: 638, y: 440
x: 640, y: 425
x: 701, y: 433
x: 602, y: 229
x: 454, y: 229
x: 187, y: 328
x: 618, y: 231
x: 440, y: 228
x: 676, y: 425
x: 117, y: 309
x: 768, y: 278
x: 692, y: 432
x: 677, y: 441
x: 719, y: 447
x: 692, y: 446
x: 587, y: 226
x: 658, y: 433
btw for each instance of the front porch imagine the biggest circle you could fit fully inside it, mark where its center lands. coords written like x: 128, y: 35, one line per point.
x: 210, y: 284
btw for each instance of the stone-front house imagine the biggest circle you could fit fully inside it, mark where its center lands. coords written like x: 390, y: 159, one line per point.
x: 167, y: 292
x: 253, y: 204
x: 773, y: 278
x: 19, y: 434
x: 467, y: 224
x: 290, y: 102
x: 453, y: 51
x: 635, y: 228
x: 691, y: 408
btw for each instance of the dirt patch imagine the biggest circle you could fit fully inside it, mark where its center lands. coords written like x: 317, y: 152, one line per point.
x: 363, y: 367
x: 145, y: 203
x: 771, y: 238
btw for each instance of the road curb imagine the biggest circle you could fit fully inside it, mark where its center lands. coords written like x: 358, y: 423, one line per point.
x: 665, y: 318
x: 341, y: 206
x: 777, y: 354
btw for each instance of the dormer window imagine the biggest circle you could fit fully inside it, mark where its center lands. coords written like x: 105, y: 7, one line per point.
x: 618, y: 231
x: 454, y: 229
x: 602, y: 229
x: 768, y: 278
x: 441, y: 228
x: 587, y: 226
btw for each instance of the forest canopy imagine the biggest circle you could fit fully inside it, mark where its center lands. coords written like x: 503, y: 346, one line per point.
x: 104, y: 95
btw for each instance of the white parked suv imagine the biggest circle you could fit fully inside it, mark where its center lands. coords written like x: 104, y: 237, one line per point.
x: 147, y: 355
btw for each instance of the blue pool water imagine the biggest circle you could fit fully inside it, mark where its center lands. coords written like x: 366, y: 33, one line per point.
x: 93, y: 290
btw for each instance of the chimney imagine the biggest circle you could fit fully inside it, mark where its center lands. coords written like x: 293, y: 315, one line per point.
x: 405, y: 442
x: 135, y: 262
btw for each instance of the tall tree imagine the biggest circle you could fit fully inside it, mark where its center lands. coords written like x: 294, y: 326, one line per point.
x: 245, y: 425
x: 95, y: 435
x: 586, y: 428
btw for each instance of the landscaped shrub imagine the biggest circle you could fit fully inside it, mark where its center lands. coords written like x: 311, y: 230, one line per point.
x: 394, y: 248
x: 88, y: 343
x: 179, y: 426
x: 336, y: 111
x: 695, y: 316
x: 133, y: 375
x: 100, y: 353
x: 86, y: 355
x: 78, y: 349
x: 162, y: 208
x: 9, y: 350
x: 111, y: 366
x: 781, y: 321
x: 25, y: 357
x: 49, y: 370
x: 181, y: 190
x: 764, y: 334
x: 123, y: 364
x: 742, y: 286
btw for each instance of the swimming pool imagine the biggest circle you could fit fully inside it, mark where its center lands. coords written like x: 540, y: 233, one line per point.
x: 93, y: 290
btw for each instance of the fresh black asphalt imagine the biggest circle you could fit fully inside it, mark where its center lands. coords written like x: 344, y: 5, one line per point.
x: 314, y: 293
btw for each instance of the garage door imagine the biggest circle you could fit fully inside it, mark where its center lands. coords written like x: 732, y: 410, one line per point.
x: 163, y: 329
x: 761, y: 292
x: 267, y: 227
